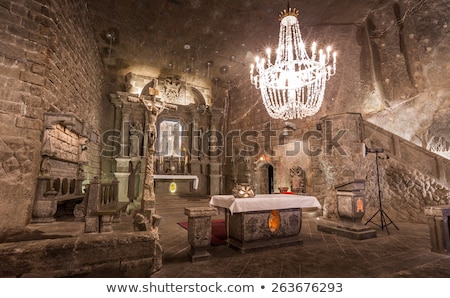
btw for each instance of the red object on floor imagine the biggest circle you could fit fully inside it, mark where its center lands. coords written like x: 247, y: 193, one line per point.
x: 218, y: 231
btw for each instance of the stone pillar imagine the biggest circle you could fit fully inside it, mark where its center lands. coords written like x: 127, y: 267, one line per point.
x: 199, y: 159
x: 125, y: 135
x: 438, y: 217
x: 203, y: 177
x: 121, y: 173
x: 196, y: 168
x: 199, y: 231
x: 215, y: 165
x: 215, y: 178
x: 117, y: 102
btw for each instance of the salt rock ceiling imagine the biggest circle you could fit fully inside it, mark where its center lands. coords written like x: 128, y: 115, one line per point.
x: 217, y: 39
x: 214, y: 39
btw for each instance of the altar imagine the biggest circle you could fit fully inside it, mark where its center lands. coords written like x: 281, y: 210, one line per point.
x: 266, y: 220
x: 171, y: 178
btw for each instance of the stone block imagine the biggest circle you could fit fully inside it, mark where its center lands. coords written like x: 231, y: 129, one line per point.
x: 32, y: 78
x: 438, y: 223
x: 115, y: 254
x: 29, y: 123
x: 91, y: 224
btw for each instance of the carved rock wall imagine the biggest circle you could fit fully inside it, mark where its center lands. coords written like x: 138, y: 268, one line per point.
x: 49, y: 62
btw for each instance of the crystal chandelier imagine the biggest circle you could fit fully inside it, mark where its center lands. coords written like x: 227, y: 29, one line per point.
x: 294, y: 86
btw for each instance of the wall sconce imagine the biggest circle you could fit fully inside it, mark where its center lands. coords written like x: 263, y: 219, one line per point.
x: 111, y: 37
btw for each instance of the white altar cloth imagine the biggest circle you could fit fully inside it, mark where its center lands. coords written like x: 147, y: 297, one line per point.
x: 263, y: 202
x: 175, y: 177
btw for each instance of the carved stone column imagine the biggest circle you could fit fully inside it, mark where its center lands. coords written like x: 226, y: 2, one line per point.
x: 121, y: 173
x: 215, y: 176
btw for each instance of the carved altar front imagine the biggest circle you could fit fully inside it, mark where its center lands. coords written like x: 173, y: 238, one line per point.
x: 266, y: 220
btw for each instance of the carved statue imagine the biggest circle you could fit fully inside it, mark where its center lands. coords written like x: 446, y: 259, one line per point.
x: 45, y: 167
x: 82, y: 141
x: 134, y: 140
x: 297, y: 179
x: 80, y: 172
x: 172, y: 86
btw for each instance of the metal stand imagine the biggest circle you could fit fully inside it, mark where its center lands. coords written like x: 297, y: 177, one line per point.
x: 383, y: 215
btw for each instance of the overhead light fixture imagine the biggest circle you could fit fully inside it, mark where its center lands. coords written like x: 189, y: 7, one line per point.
x: 293, y: 87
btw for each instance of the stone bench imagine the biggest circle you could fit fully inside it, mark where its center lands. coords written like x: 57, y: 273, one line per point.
x: 102, y: 206
x: 52, y: 192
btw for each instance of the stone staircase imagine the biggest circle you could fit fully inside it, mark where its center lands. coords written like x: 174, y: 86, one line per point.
x: 406, y: 152
x: 412, y: 177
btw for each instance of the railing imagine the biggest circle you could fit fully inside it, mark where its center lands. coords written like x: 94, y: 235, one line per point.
x: 101, y: 207
x: 404, y: 151
x: 109, y: 193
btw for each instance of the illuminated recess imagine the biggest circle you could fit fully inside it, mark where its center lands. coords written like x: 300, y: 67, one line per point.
x: 173, y: 187
x: 274, y: 221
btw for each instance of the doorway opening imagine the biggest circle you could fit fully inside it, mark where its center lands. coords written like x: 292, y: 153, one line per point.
x: 267, y: 179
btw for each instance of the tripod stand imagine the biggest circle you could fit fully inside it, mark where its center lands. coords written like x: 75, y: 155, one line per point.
x: 383, y: 215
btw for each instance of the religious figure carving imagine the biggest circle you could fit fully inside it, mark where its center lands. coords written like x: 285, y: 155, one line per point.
x: 172, y: 86
x: 45, y: 167
x: 134, y: 139
x: 82, y: 141
x: 80, y: 172
x: 153, y: 106
x: 297, y: 179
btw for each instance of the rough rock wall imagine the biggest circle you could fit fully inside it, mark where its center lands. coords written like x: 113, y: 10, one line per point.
x: 408, y: 191
x: 393, y: 68
x: 409, y: 57
x: 48, y: 62
x: 405, y: 190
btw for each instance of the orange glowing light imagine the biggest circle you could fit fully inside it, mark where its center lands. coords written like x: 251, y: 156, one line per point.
x: 359, y: 205
x: 274, y: 221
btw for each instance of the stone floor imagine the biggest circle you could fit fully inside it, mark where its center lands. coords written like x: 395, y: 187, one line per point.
x: 401, y: 253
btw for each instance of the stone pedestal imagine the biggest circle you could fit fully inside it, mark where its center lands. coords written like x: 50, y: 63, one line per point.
x: 351, y: 207
x: 438, y: 222
x: 199, y: 231
x: 122, y: 173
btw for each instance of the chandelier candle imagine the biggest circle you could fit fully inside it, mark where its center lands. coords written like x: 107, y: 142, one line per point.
x: 293, y: 87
